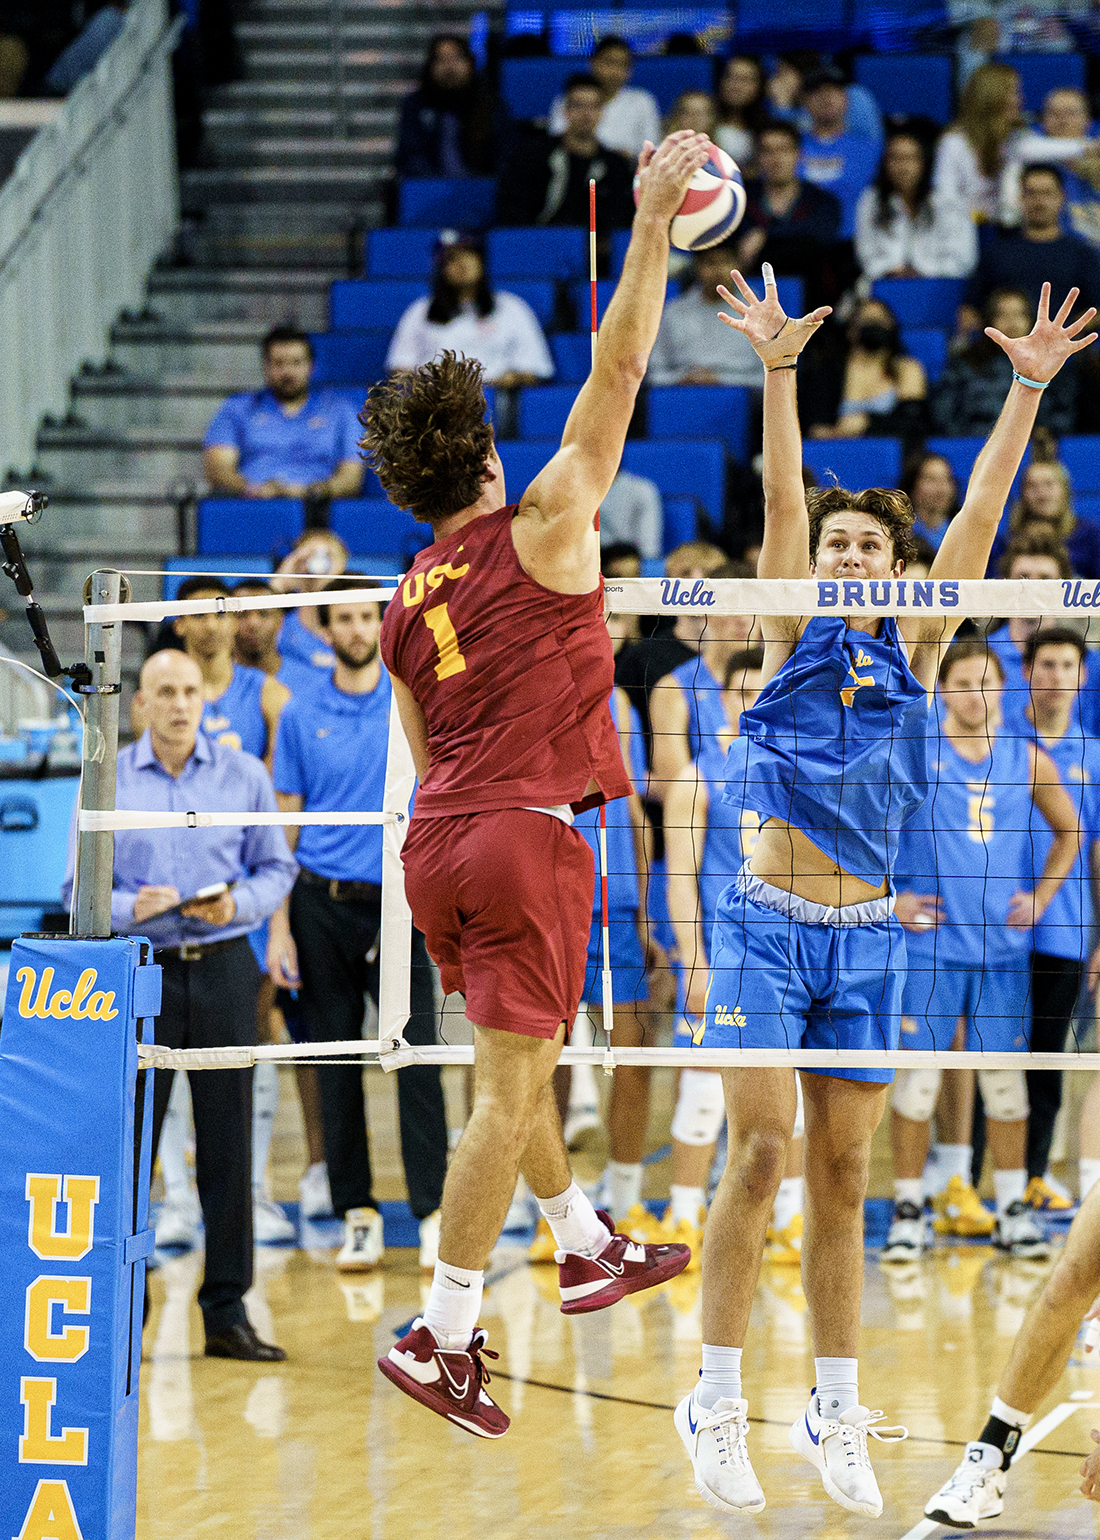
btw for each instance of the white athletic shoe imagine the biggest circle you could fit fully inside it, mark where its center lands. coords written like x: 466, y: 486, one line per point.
x: 429, y: 1241
x: 1018, y: 1232
x: 178, y: 1224
x: 838, y: 1448
x: 907, y: 1238
x: 363, y: 1246
x: 715, y: 1442
x: 270, y: 1226
x: 974, y: 1492
x: 314, y: 1197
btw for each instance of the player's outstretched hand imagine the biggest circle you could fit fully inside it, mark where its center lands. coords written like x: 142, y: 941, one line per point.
x: 777, y: 337
x: 1040, y: 354
x: 664, y: 172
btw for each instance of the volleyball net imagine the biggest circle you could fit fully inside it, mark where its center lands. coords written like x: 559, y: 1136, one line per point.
x: 976, y: 838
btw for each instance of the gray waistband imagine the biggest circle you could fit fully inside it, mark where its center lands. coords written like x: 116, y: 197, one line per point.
x: 564, y: 812
x: 757, y: 891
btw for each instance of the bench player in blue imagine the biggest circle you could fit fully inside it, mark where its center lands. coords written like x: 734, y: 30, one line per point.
x: 806, y: 951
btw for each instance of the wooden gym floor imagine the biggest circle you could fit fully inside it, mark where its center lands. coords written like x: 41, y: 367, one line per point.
x: 322, y: 1448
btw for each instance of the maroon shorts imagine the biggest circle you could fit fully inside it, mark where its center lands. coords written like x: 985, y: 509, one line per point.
x: 505, y: 903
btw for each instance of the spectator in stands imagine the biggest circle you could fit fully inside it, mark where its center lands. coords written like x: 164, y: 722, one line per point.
x: 972, y: 155
x: 307, y: 657
x: 1067, y: 130
x: 633, y: 512
x: 970, y: 392
x: 788, y: 221
x: 1039, y: 252
x: 929, y: 482
x: 1045, y: 504
x: 905, y: 228
x: 876, y: 390
x: 464, y: 313
x: 256, y: 643
x: 451, y: 125
x: 620, y: 559
x: 628, y: 116
x: 833, y: 156
x: 1036, y: 555
x: 691, y: 347
x: 692, y: 110
x: 785, y: 98
x: 289, y: 439
x: 546, y: 182
x: 82, y: 55
x: 742, y: 107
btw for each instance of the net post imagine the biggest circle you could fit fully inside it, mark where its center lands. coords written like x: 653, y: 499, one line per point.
x: 395, y: 942
x: 95, y: 853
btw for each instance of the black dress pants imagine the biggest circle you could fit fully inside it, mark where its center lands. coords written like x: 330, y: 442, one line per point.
x: 337, y: 943
x: 1055, y: 985
x: 211, y: 1003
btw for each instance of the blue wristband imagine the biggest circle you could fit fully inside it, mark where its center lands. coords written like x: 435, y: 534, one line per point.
x: 1031, y: 384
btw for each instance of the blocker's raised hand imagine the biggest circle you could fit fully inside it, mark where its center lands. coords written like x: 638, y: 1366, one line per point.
x: 777, y: 337
x: 664, y: 172
x: 1040, y: 354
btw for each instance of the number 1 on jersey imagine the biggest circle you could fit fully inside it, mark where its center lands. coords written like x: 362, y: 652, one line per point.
x: 451, y: 660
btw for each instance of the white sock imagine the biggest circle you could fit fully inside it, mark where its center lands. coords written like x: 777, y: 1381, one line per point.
x: 909, y: 1189
x: 686, y: 1202
x: 788, y: 1202
x: 576, y: 1225
x: 1089, y: 1175
x: 720, y: 1375
x: 953, y: 1160
x: 172, y: 1150
x: 265, y: 1099
x: 1005, y: 1413
x: 626, y: 1185
x: 1008, y: 1188
x: 837, y: 1385
x: 454, y: 1304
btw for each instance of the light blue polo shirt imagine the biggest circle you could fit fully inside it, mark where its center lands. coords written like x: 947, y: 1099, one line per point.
x: 1066, y: 928
x: 276, y: 446
x: 307, y: 660
x: 331, y: 752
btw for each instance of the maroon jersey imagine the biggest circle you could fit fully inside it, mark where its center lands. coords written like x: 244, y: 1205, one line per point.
x: 513, y: 679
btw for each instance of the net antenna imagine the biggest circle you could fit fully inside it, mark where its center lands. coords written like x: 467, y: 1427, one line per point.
x: 605, y: 939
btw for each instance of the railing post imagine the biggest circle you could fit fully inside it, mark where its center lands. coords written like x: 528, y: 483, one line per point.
x: 95, y: 852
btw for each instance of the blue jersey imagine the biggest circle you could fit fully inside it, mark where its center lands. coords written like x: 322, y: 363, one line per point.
x: 236, y: 718
x: 306, y: 659
x: 1015, y: 697
x: 971, y: 844
x: 1067, y: 924
x: 622, y: 856
x: 703, y: 694
x: 731, y: 827
x: 837, y: 744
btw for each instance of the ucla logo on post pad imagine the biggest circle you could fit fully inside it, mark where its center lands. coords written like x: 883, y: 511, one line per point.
x: 40, y: 1001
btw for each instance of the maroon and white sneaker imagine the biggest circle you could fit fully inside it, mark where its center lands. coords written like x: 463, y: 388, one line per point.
x: 623, y: 1267
x: 446, y: 1381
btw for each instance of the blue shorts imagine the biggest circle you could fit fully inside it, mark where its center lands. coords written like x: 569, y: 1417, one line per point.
x: 628, y: 980
x: 777, y: 981
x: 995, y: 1000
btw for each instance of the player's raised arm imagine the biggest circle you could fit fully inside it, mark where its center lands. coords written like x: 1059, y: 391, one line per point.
x: 1035, y: 360
x: 778, y: 339
x: 558, y: 508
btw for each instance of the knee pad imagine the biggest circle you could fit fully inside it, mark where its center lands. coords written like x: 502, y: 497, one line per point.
x: 1004, y: 1092
x: 915, y: 1092
x: 799, y: 1129
x: 700, y: 1107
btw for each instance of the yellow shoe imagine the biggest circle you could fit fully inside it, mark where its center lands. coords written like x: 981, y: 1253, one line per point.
x: 544, y: 1245
x: 959, y: 1211
x: 786, y: 1245
x: 683, y: 1233
x: 640, y: 1225
x: 1041, y: 1195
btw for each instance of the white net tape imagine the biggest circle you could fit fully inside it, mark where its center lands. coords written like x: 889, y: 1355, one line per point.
x: 91, y: 822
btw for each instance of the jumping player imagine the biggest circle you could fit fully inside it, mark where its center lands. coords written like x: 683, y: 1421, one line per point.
x: 502, y: 671
x: 805, y: 949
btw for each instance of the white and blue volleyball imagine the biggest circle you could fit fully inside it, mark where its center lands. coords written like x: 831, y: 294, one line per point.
x: 713, y: 206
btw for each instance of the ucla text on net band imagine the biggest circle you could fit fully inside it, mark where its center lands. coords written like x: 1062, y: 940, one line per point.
x: 852, y: 596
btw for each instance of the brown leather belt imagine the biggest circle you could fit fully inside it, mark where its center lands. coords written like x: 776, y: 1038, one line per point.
x: 193, y: 951
x: 343, y: 892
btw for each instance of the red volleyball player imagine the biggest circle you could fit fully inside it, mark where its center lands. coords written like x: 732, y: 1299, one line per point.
x: 502, y: 672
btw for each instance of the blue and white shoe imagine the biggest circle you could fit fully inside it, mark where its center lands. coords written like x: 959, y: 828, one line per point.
x: 715, y: 1440
x: 837, y: 1448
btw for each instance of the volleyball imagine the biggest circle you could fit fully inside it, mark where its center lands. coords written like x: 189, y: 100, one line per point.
x: 713, y: 205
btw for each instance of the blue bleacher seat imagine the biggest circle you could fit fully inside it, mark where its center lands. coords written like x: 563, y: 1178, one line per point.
x: 373, y: 526
x: 399, y: 253
x: 463, y: 203
x: 856, y: 463
x: 927, y: 344
x: 380, y: 302
x: 896, y: 81
x: 681, y: 522
x: 528, y: 86
x: 761, y: 23
x: 543, y: 410
x: 1043, y: 72
x: 681, y: 468
x: 572, y: 356
x: 921, y: 301
x: 670, y: 76
x: 35, y: 818
x: 789, y: 291
x: 1080, y: 454
x: 239, y: 526
x: 713, y: 411
x: 232, y: 568
x: 343, y: 358
x: 960, y: 454
x: 539, y: 252
x: 1087, y: 505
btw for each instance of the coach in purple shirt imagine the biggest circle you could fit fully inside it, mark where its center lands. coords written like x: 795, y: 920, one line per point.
x: 211, y: 978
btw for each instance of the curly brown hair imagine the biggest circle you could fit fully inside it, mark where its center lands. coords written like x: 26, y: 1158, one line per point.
x: 426, y: 438
x: 891, y: 509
